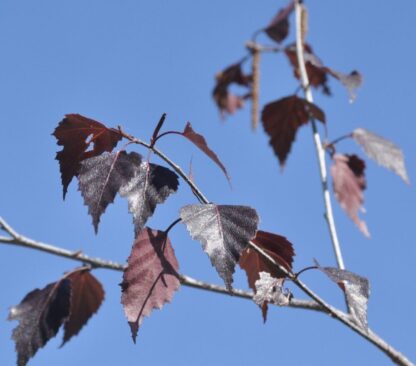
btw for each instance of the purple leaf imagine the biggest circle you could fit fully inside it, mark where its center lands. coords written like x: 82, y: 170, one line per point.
x: 224, y: 232
x: 278, y: 29
x: 151, y: 277
x: 201, y: 143
x: 349, y: 183
x: 40, y: 315
x: 282, y: 119
x: 72, y: 133
x: 317, y: 72
x: 143, y: 184
x: 226, y: 101
x: 87, y: 294
x: 355, y: 287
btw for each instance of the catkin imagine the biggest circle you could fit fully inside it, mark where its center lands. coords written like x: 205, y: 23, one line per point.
x: 304, y: 23
x: 255, y: 69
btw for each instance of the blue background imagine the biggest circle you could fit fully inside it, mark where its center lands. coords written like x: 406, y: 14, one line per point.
x: 126, y: 63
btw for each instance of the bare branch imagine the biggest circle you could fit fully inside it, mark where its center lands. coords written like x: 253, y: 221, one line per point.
x: 20, y: 240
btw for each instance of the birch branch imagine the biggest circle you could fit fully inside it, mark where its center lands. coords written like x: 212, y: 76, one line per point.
x: 344, y: 318
x: 318, y: 304
x: 320, y: 151
x: 23, y: 241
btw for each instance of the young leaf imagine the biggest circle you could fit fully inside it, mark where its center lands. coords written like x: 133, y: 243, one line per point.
x: 101, y: 177
x: 278, y: 29
x: 152, y: 184
x: 224, y: 232
x: 40, y: 315
x: 317, y: 76
x: 229, y: 103
x: 72, y: 133
x: 383, y: 151
x: 143, y: 184
x: 87, y: 295
x: 270, y: 290
x: 253, y: 263
x: 278, y: 247
x: 151, y: 277
x: 349, y: 183
x: 355, y: 287
x: 201, y: 143
x: 317, y: 72
x: 351, y: 81
x: 281, y: 120
x: 233, y: 74
x: 226, y: 101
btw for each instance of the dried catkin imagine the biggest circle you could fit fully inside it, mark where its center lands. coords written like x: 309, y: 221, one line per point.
x: 255, y: 69
x: 304, y: 23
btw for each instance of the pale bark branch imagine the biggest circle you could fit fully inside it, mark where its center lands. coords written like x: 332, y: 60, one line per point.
x: 368, y: 334
x: 23, y: 241
x: 320, y: 151
x: 344, y: 318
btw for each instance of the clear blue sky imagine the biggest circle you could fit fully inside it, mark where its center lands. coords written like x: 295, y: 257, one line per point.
x: 126, y: 63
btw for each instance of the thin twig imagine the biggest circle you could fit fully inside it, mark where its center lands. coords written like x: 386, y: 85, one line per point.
x: 320, y: 151
x: 395, y: 355
x: 254, y: 46
x: 344, y: 137
x: 344, y: 318
x: 20, y: 240
x: 317, y: 305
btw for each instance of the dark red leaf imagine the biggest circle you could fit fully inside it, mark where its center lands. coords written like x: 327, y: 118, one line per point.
x: 281, y: 120
x: 233, y: 74
x: 278, y: 29
x: 40, y: 315
x: 226, y: 101
x: 151, y: 277
x: 224, y: 232
x: 317, y: 72
x: 73, y: 134
x: 87, y: 295
x: 253, y: 263
x: 349, y: 183
x: 201, y: 143
x: 277, y: 246
x: 317, y: 76
x: 144, y: 185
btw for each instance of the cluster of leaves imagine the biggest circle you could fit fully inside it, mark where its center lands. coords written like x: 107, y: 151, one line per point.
x: 228, y: 234
x: 282, y: 118
x: 70, y: 301
x: 227, y: 101
x: 151, y: 276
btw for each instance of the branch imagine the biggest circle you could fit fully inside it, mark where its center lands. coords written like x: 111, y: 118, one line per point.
x: 318, y: 302
x: 320, y: 151
x: 20, y: 240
